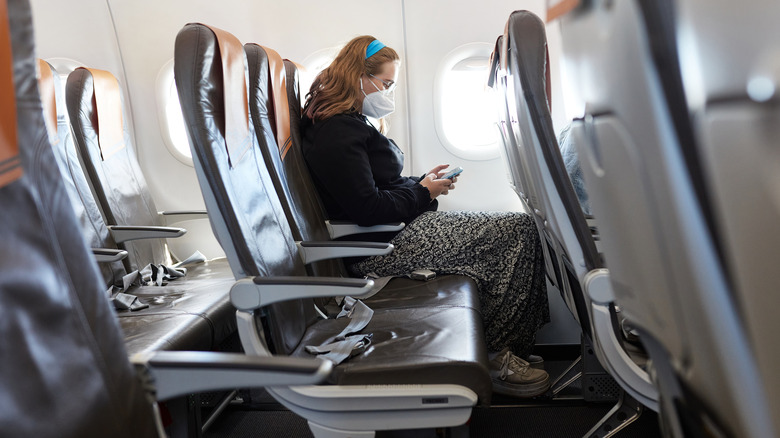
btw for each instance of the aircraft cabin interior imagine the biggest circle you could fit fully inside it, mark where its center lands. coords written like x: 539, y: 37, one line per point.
x: 389, y: 218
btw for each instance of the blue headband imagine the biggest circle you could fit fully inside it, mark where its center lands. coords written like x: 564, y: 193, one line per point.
x: 374, y: 47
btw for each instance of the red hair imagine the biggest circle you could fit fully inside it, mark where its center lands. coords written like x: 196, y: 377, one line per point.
x: 336, y: 90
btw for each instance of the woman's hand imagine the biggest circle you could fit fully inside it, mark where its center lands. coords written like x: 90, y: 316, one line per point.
x: 438, y: 171
x: 437, y: 186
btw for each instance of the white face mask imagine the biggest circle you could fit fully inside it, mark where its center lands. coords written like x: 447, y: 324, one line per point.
x: 379, y: 104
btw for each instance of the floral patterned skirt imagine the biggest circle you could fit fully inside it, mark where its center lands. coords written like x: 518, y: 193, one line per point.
x: 500, y: 251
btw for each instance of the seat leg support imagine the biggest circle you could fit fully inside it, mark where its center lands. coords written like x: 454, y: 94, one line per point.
x: 557, y: 389
x: 625, y: 412
x: 320, y: 431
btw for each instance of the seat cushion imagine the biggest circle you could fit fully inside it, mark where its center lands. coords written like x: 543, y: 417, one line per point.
x: 417, y: 345
x: 442, y: 291
x: 189, y: 313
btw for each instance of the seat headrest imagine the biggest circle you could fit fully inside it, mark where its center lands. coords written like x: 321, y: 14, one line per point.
x: 48, y: 99
x: 108, y: 105
x: 237, y: 137
x: 559, y: 8
x: 10, y: 163
x: 278, y: 85
x: 525, y: 26
x: 495, y: 59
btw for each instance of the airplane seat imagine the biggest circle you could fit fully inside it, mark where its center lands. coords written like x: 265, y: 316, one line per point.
x: 91, y: 222
x: 108, y: 158
x: 179, y: 316
x: 730, y: 80
x: 298, y: 194
x: 585, y: 273
x: 520, y: 180
x: 294, y: 183
x: 65, y: 369
x: 655, y: 220
x: 109, y: 164
x: 424, y: 367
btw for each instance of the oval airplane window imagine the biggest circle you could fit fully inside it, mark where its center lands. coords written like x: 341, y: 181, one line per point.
x: 464, y: 107
x: 172, y: 128
x: 313, y: 65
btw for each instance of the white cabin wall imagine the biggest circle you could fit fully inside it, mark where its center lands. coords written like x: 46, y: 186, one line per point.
x: 81, y: 31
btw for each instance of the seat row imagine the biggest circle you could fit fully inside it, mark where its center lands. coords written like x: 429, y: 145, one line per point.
x: 674, y: 123
x: 118, y: 218
x: 426, y: 365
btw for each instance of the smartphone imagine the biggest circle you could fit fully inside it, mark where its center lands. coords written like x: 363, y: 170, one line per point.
x: 453, y: 173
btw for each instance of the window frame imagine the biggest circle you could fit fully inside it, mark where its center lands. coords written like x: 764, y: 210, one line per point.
x: 470, y: 50
x: 165, y: 80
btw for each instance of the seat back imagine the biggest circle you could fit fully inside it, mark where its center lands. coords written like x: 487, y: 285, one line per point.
x: 65, y: 368
x: 513, y: 150
x: 243, y: 207
x: 565, y: 223
x: 581, y: 264
x: 93, y: 228
x: 272, y: 104
x: 736, y: 128
x: 103, y: 140
x: 509, y: 153
x: 664, y: 266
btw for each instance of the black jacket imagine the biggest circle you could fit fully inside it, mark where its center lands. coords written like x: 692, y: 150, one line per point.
x: 357, y: 171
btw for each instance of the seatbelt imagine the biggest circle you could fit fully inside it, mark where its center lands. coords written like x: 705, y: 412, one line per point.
x: 347, y: 342
x: 339, y: 351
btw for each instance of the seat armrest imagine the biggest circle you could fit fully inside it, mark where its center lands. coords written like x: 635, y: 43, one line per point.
x: 344, y: 228
x: 108, y: 255
x: 177, y: 373
x: 252, y: 293
x: 598, y: 287
x: 183, y: 215
x: 313, y: 251
x: 123, y: 233
x: 618, y: 363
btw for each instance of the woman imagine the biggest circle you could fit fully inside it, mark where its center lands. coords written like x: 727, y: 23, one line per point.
x: 358, y: 173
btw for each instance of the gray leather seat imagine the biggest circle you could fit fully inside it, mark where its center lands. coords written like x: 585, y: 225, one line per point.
x: 513, y: 153
x: 434, y: 349
x: 184, y: 315
x: 195, y: 310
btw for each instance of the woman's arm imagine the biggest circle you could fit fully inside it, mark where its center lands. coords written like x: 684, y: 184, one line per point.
x: 340, y: 163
